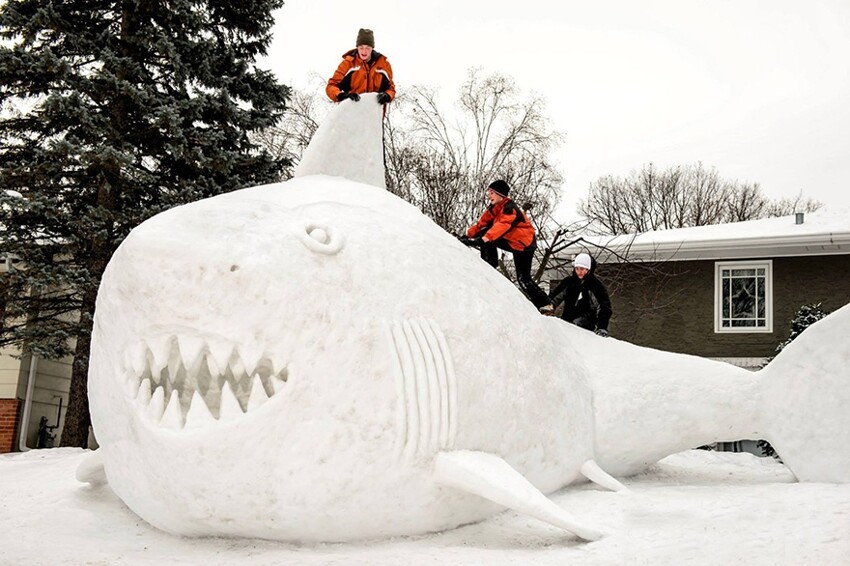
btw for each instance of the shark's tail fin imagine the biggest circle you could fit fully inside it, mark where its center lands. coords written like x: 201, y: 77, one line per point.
x: 807, y: 388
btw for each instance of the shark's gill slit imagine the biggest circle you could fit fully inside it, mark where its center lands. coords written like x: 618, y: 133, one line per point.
x: 433, y: 381
x: 187, y: 382
x: 411, y: 401
x: 423, y: 404
x: 427, y: 386
x: 432, y: 331
x: 401, y: 394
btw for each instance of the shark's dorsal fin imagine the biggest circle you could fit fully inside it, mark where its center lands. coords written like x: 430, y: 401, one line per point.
x: 600, y: 477
x: 490, y: 477
x: 349, y: 143
x: 91, y: 469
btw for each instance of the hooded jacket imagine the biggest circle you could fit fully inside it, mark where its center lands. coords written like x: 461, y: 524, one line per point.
x: 576, y: 295
x: 505, y: 220
x: 354, y: 75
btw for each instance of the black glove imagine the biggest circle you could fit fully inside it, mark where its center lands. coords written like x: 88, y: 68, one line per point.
x: 602, y: 332
x: 383, y: 98
x: 475, y: 242
x: 343, y: 95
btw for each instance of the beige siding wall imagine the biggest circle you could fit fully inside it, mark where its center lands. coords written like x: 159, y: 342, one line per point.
x: 10, y: 368
x: 53, y: 381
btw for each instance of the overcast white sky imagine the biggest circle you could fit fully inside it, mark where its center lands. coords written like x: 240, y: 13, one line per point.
x: 757, y: 88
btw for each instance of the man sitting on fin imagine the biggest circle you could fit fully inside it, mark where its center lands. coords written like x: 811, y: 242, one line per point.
x: 362, y: 70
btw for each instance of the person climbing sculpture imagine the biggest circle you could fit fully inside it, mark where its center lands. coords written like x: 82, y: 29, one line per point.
x: 585, y: 298
x: 505, y: 226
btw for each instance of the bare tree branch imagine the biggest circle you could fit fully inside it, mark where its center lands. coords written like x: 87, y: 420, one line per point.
x: 677, y: 197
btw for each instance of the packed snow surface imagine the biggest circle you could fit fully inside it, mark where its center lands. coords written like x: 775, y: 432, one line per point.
x: 696, y: 508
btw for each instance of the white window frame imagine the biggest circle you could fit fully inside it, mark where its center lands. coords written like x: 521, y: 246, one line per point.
x: 719, y: 266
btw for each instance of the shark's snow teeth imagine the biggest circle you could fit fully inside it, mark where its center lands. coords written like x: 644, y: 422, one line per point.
x: 186, y: 382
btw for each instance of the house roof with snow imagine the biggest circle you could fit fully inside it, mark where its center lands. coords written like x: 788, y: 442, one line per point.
x: 815, y: 233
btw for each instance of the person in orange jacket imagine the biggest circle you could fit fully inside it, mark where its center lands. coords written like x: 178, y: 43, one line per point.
x: 362, y: 70
x: 504, y: 226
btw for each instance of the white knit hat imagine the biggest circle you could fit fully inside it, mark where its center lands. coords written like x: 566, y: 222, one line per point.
x: 582, y: 260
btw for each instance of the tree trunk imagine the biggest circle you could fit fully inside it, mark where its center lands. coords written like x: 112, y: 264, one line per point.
x: 77, y: 418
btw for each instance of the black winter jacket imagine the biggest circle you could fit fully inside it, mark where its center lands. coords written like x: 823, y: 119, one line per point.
x: 576, y: 294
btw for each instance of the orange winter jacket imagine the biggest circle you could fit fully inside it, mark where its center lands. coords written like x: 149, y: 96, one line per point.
x: 505, y: 220
x: 354, y: 75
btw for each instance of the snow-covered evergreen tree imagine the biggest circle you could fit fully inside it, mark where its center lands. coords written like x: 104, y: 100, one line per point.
x: 806, y: 316
x: 111, y: 112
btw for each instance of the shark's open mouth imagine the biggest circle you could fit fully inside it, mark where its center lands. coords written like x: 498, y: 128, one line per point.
x: 185, y: 382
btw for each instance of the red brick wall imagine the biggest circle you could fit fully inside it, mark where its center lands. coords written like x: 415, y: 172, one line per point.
x: 9, y: 409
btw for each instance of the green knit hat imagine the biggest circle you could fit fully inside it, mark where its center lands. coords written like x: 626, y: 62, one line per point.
x: 365, y: 37
x: 501, y: 187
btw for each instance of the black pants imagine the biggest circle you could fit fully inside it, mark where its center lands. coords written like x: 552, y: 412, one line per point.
x: 586, y: 322
x: 522, y: 262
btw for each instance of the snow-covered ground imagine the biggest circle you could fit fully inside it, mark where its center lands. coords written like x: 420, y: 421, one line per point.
x: 695, y: 508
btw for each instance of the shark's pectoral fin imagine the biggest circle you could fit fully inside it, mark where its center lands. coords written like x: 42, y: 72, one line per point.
x: 490, y: 477
x: 600, y: 477
x: 91, y: 469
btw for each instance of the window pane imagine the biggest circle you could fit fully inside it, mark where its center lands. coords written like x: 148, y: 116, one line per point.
x: 743, y: 298
x: 743, y: 272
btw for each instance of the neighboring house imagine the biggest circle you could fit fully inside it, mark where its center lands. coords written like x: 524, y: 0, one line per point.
x: 726, y: 291
x: 45, y: 399
x: 31, y: 389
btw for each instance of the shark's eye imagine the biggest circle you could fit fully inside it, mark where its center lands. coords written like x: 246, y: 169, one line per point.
x: 320, y: 235
x: 321, y: 238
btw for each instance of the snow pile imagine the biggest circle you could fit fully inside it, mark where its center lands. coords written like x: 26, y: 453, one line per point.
x: 334, y: 322
x: 294, y: 361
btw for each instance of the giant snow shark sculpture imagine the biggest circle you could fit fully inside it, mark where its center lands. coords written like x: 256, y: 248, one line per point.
x: 317, y: 360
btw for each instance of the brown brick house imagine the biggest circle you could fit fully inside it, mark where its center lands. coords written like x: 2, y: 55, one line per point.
x: 726, y: 291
